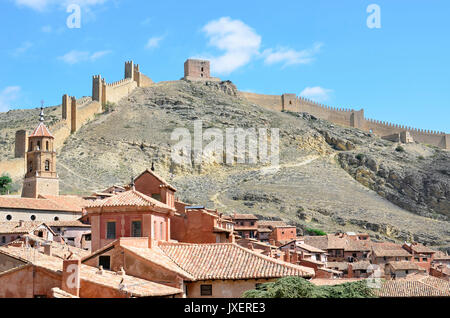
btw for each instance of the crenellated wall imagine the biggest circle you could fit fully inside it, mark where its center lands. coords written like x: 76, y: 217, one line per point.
x: 345, y: 117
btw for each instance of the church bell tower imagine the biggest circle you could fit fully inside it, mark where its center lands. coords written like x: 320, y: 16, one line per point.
x: 41, y: 177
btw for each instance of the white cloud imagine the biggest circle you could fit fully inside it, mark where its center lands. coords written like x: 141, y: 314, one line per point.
x: 23, y: 48
x: 239, y: 42
x: 41, y: 5
x: 154, y: 42
x: 8, y: 95
x: 74, y: 56
x: 290, y: 56
x: 316, y: 93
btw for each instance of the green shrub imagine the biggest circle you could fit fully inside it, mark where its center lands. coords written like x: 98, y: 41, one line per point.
x: 400, y: 149
x: 315, y: 232
x: 5, y: 184
x: 360, y: 156
x: 110, y: 107
x: 297, y: 287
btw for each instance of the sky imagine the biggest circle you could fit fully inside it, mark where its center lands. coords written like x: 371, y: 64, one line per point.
x: 390, y: 59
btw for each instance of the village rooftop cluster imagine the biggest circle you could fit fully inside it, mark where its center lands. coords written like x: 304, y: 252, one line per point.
x: 139, y: 240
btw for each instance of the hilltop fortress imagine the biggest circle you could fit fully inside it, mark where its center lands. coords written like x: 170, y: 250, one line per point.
x: 77, y: 112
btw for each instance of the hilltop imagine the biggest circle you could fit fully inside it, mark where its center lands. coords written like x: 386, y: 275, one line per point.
x: 330, y: 178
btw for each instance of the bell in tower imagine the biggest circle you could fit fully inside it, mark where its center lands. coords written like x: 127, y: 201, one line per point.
x: 40, y: 177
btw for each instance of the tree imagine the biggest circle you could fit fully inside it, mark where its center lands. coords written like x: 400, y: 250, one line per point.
x: 5, y: 184
x: 297, y: 287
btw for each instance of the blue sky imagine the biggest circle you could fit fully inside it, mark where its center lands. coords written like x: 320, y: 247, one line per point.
x: 321, y: 49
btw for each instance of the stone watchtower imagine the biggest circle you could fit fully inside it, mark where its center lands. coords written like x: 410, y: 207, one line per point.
x: 41, y: 177
x: 197, y: 69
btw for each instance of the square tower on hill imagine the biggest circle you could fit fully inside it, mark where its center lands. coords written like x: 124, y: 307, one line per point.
x: 197, y: 69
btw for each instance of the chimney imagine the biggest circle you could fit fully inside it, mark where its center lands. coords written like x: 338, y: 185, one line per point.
x: 350, y: 270
x: 295, y: 258
x: 48, y: 250
x: 287, y: 256
x: 71, y: 277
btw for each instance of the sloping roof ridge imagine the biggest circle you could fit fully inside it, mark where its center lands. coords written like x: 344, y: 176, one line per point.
x: 273, y: 260
x: 130, y: 249
x: 157, y: 176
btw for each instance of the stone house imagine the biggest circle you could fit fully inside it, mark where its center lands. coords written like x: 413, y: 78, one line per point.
x: 74, y: 233
x: 195, y: 224
x: 402, y: 269
x: 421, y: 255
x: 31, y: 274
x: 222, y: 270
x: 11, y: 231
x: 245, y: 225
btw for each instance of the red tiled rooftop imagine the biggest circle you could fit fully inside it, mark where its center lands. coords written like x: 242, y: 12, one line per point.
x: 128, y: 199
x: 50, y: 203
x: 229, y: 261
x: 41, y: 131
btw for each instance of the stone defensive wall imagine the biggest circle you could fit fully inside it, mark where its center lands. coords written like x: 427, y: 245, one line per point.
x: 345, y: 117
x: 77, y: 112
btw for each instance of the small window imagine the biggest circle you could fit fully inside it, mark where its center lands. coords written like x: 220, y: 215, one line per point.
x: 136, y: 229
x: 38, y: 145
x: 105, y: 262
x: 47, y: 165
x: 3, y: 239
x: 111, y: 230
x: 156, y: 196
x: 87, y: 237
x: 206, y: 290
x: 33, y: 217
x: 56, y: 218
x: 30, y: 166
x: 47, y: 146
x: 9, y: 217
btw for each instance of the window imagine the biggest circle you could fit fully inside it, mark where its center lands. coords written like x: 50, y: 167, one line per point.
x: 9, y: 217
x: 110, y: 230
x: 205, y: 290
x: 252, y: 223
x: 105, y: 262
x: 3, y: 239
x: 136, y: 229
x: 33, y: 217
x: 56, y: 218
x: 38, y: 145
x: 30, y: 166
x: 47, y: 146
x: 161, y: 231
x: 156, y: 196
x: 31, y: 146
x: 47, y: 165
x: 87, y: 237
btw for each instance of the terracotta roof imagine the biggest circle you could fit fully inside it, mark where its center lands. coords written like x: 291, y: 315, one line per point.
x: 333, y: 282
x: 229, y: 261
x: 362, y: 265
x: 74, y: 223
x: 160, y: 179
x: 404, y: 265
x: 339, y: 265
x: 49, y: 203
x: 244, y: 217
x: 420, y: 249
x: 310, y: 248
x: 41, y: 131
x: 389, y: 251
x: 60, y: 250
x: 441, y: 256
x: 417, y: 286
x: 15, y: 228
x: 273, y: 224
x: 358, y: 246
x: 157, y: 256
x: 129, y: 198
x: 131, y: 285
x: 320, y: 242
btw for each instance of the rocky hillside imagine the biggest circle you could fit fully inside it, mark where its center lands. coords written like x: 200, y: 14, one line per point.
x: 330, y: 177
